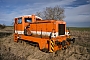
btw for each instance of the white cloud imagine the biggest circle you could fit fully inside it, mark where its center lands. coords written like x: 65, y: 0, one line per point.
x: 88, y: 1
x: 73, y: 14
x: 53, y: 3
x: 78, y: 14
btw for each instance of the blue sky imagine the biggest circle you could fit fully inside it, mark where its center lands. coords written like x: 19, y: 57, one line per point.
x: 77, y: 12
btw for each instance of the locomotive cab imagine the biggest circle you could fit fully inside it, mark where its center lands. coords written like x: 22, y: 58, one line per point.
x: 49, y: 34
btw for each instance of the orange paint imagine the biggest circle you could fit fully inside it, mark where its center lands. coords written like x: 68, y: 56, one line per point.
x: 41, y: 31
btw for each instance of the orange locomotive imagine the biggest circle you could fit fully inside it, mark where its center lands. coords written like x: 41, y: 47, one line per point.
x: 48, y: 34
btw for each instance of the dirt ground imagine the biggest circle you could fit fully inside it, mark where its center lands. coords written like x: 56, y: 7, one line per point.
x: 80, y: 50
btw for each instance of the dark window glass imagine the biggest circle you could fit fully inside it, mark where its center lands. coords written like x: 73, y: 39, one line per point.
x: 61, y: 29
x: 28, y: 19
x: 19, y: 20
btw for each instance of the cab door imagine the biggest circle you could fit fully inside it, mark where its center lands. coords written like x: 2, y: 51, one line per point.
x: 18, y: 26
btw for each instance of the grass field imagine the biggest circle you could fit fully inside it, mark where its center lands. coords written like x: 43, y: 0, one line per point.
x: 79, y: 28
x: 80, y: 50
x: 82, y: 36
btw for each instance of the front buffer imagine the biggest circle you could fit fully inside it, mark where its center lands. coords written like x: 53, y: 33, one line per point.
x: 57, y: 44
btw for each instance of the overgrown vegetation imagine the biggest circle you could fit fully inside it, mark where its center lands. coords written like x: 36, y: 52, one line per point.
x: 80, y: 50
x: 2, y: 26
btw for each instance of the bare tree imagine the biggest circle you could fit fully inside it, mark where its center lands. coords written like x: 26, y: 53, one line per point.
x: 56, y: 13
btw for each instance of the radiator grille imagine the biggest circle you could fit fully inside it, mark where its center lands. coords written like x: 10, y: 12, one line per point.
x: 61, y: 29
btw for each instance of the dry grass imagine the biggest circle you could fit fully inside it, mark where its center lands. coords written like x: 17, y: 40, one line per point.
x: 82, y: 38
x: 11, y: 50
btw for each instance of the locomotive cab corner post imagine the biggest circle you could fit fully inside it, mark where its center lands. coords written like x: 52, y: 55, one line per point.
x: 48, y: 34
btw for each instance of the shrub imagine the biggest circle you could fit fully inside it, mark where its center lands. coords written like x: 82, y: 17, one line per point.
x: 2, y: 26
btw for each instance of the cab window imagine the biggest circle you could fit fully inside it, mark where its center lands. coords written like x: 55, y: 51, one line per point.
x: 19, y: 20
x: 28, y: 20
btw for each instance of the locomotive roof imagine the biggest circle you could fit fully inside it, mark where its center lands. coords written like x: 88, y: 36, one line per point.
x: 30, y: 16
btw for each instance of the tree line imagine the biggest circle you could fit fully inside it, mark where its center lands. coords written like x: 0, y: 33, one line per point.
x: 2, y: 26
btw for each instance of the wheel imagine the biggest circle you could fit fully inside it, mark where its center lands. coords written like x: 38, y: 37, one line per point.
x: 19, y: 41
x: 73, y: 40
x: 63, y: 43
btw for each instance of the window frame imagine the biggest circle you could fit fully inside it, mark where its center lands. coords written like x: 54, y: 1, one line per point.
x: 19, y: 22
x: 28, y: 19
